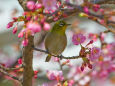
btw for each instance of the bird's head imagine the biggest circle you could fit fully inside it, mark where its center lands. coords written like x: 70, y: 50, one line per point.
x: 60, y: 26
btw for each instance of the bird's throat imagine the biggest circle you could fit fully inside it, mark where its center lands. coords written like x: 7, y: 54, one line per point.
x: 60, y: 31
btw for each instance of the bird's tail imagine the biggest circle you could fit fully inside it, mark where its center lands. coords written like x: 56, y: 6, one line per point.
x: 48, y: 58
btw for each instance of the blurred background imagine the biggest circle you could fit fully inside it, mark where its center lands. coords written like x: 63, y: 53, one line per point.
x: 10, y: 45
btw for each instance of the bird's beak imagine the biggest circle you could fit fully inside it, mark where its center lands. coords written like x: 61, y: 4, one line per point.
x: 68, y: 24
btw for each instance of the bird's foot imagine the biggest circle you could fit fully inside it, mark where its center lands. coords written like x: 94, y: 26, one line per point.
x: 60, y: 56
x: 46, y: 51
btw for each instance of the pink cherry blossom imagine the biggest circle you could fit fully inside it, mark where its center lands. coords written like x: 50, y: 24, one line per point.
x: 78, y: 38
x: 34, y: 27
x: 37, y: 6
x: 106, y: 65
x: 49, y: 4
x: 46, y: 26
x: 96, y: 7
x: 103, y: 74
x: 93, y: 36
x: 71, y: 82
x: 111, y: 49
x: 102, y: 36
x: 25, y: 42
x: 30, y: 5
x: 20, y: 35
x: 95, y: 53
x: 55, y: 75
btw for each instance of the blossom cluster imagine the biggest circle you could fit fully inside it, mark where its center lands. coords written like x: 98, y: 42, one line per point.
x: 34, y: 21
x: 98, y: 62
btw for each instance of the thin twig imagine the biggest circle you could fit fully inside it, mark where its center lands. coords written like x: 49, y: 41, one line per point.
x: 12, y: 76
x: 61, y: 57
x: 8, y: 69
x: 90, y: 13
x: 76, y: 9
x: 105, y: 2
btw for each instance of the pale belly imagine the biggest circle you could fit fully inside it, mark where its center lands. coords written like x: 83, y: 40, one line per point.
x: 55, y: 43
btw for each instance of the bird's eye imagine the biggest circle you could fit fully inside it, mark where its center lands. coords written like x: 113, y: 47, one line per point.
x: 61, y: 24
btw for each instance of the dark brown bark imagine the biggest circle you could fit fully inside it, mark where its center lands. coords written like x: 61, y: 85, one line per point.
x: 27, y: 54
x: 27, y: 60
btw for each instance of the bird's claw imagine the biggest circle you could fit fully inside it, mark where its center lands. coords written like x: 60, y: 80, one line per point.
x: 60, y: 56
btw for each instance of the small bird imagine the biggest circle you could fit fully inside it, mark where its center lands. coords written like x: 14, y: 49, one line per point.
x: 56, y: 40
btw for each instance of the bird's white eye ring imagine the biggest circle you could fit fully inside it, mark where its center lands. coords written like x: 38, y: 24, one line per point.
x: 61, y: 24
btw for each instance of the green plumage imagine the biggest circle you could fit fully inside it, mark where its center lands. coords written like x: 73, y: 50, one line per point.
x: 56, y: 41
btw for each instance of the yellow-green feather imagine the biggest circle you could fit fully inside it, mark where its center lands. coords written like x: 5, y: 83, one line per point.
x: 56, y: 41
x: 48, y: 58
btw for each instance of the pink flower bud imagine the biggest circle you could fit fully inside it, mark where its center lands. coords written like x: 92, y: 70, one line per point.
x: 35, y: 72
x: 46, y: 26
x: 90, y: 66
x: 86, y: 10
x: 56, y: 59
x: 46, y: 11
x: 25, y: 13
x: 15, y: 19
x: 82, y: 68
x: 20, y: 35
x: 56, y: 18
x: 10, y: 24
x: 36, y: 18
x: 90, y: 42
x: 101, y: 10
x: 14, y: 30
x: 102, y: 36
x: 102, y: 21
x: 35, y: 76
x: 28, y: 18
x: 96, y: 7
x: 25, y: 42
x: 30, y: 5
x: 19, y: 61
x: 42, y: 20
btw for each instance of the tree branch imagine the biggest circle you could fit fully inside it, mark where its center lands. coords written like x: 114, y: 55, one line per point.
x: 27, y: 62
x: 105, y: 1
x: 76, y: 9
x: 12, y: 76
x: 27, y: 55
x: 90, y: 13
x: 9, y: 69
x: 61, y: 57
x: 23, y: 3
